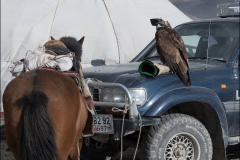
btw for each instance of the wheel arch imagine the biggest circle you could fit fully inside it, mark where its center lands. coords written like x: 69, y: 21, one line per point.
x: 200, y: 103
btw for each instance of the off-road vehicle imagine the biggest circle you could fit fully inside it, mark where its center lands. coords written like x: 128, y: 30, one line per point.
x: 174, y: 121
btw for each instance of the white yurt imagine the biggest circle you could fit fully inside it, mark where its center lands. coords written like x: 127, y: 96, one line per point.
x: 115, y: 30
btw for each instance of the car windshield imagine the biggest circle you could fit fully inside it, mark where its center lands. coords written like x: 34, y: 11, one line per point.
x: 215, y: 41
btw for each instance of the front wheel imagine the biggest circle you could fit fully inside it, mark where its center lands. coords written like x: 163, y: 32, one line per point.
x: 177, y: 137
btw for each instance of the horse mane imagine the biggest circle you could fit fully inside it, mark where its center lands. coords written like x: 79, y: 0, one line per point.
x: 73, y: 45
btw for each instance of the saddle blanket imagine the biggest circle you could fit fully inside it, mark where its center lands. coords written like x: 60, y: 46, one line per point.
x: 39, y: 59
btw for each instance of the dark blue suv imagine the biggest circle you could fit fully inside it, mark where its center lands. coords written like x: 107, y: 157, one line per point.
x: 170, y: 120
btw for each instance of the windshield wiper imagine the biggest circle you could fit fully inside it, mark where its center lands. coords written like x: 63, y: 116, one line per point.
x: 196, y: 57
x: 153, y: 57
x: 199, y: 58
x: 217, y: 59
x: 209, y: 58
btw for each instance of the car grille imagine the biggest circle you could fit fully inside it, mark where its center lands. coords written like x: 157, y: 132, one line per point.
x: 95, y: 95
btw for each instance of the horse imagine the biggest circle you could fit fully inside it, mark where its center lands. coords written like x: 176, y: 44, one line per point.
x: 45, y: 114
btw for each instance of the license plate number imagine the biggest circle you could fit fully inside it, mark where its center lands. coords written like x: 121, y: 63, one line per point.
x: 103, y: 123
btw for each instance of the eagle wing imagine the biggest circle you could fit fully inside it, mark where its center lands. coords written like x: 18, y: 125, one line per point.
x: 172, y: 51
x: 178, y: 42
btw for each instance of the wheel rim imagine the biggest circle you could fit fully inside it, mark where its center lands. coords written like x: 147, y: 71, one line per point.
x: 182, y: 146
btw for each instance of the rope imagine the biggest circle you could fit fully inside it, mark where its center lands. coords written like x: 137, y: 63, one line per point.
x: 53, y: 18
x: 114, y: 109
x: 27, y: 53
x: 115, y: 32
x: 140, y: 130
x: 70, y: 55
x: 78, y: 150
x: 46, y: 53
x: 7, y: 61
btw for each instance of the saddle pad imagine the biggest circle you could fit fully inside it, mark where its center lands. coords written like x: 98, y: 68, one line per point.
x: 64, y: 63
x: 39, y: 59
x: 70, y: 73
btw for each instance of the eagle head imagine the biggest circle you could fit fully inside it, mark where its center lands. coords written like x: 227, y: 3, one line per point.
x: 159, y: 22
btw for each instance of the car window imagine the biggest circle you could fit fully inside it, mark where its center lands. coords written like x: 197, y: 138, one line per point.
x: 191, y: 35
x: 213, y: 40
x: 153, y: 53
x: 191, y: 43
x: 225, y: 36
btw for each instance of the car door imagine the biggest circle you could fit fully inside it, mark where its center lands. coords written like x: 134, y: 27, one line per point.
x: 222, y: 41
x: 236, y: 68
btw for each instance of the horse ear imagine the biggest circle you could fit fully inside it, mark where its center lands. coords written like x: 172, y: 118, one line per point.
x: 81, y: 41
x: 52, y: 38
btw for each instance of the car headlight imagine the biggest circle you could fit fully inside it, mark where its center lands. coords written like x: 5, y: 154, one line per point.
x: 113, y: 95
x: 139, y: 94
x: 118, y: 95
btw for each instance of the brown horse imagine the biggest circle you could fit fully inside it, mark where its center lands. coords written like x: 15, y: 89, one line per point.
x: 45, y: 115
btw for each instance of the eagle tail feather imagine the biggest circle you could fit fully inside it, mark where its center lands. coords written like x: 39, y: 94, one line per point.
x: 185, y: 79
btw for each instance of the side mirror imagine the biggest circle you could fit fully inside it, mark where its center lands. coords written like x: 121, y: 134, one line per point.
x: 98, y: 62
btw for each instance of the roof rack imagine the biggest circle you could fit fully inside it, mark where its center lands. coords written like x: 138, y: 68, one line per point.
x: 225, y: 10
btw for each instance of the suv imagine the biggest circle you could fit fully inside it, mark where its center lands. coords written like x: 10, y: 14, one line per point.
x: 170, y: 120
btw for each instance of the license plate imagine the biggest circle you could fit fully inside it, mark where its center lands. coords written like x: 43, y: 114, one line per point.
x: 103, y: 124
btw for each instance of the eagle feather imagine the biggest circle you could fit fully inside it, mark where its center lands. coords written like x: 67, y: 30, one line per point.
x: 172, y: 52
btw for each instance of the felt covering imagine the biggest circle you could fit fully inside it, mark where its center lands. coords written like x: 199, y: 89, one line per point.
x: 148, y: 68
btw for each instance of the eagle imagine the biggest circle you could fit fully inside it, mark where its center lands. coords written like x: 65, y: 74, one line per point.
x: 171, y: 49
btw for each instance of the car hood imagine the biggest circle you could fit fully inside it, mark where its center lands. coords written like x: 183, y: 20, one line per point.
x: 111, y: 73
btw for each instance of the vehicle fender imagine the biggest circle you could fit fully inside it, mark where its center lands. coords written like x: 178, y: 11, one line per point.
x: 188, y: 94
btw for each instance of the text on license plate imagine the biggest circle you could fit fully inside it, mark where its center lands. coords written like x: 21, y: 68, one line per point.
x: 103, y: 123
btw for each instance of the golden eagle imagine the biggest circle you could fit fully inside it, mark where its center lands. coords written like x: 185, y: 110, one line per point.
x: 171, y: 49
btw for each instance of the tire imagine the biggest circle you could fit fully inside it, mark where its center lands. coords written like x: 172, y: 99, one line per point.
x: 177, y: 137
x: 92, y: 153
